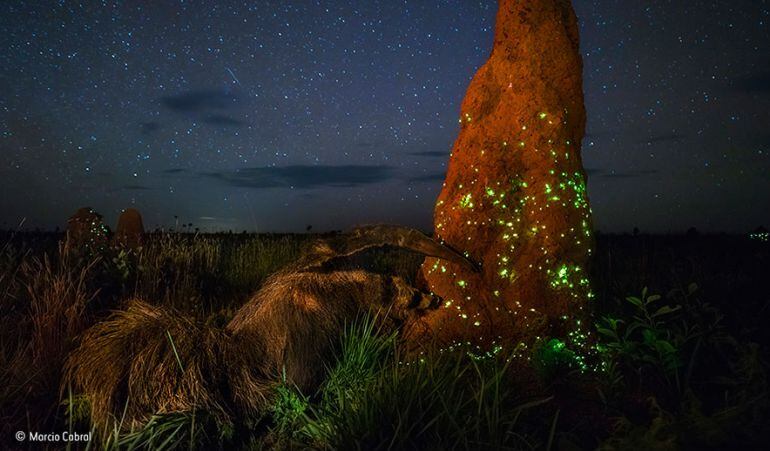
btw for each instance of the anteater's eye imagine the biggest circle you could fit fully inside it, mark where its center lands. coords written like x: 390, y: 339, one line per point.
x: 416, y: 299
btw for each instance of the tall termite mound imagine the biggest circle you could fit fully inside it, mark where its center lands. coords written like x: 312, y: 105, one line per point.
x: 514, y: 198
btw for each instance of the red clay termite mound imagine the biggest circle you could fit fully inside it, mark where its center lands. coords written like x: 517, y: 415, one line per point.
x: 514, y: 198
x: 130, y: 230
x: 86, y: 230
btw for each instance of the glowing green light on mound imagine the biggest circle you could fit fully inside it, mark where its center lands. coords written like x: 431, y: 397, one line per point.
x: 466, y: 201
x: 515, y: 217
x: 566, y: 276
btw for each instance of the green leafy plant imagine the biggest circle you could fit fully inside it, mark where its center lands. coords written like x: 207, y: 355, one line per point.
x: 699, y: 381
x: 289, y: 410
x: 124, y: 265
x: 646, y: 339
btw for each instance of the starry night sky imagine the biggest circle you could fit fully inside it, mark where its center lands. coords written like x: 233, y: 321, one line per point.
x: 272, y: 116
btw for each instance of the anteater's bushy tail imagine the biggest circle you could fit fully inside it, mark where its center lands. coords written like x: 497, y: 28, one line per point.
x: 149, y: 360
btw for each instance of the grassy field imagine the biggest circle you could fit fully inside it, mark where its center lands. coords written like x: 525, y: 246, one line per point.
x: 681, y: 327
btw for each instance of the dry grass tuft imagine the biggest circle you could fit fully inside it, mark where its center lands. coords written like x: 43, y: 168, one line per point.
x: 45, y: 302
x: 58, y: 298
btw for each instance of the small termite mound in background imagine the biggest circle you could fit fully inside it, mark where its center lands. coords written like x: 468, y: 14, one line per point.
x: 130, y: 230
x: 86, y: 230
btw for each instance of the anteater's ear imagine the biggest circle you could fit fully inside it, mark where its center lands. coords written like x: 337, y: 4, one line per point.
x: 367, y: 237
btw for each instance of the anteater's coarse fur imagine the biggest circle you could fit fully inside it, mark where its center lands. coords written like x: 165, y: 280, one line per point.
x: 146, y: 360
x: 127, y: 366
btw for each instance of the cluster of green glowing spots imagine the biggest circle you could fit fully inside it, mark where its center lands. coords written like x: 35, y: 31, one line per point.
x: 451, y: 303
x: 507, y: 273
x: 586, y: 228
x: 510, y: 205
x: 567, y: 276
x: 576, y: 336
x: 566, y: 184
x: 578, y: 185
x: 572, y: 354
x: 438, y: 266
x: 554, y: 355
x: 467, y: 118
x: 549, y: 193
x: 478, y: 352
x: 467, y: 201
x: 510, y: 217
x: 488, y: 355
x: 497, y: 199
x: 763, y: 237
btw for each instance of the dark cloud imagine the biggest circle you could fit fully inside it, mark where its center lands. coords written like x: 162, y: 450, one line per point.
x: 304, y: 176
x: 431, y: 153
x: 663, y: 138
x: 429, y: 177
x: 613, y: 174
x: 222, y: 120
x: 173, y: 171
x: 149, y: 127
x: 200, y: 100
x: 759, y: 82
x: 631, y: 174
x: 131, y: 188
x: 592, y: 171
x: 308, y: 196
